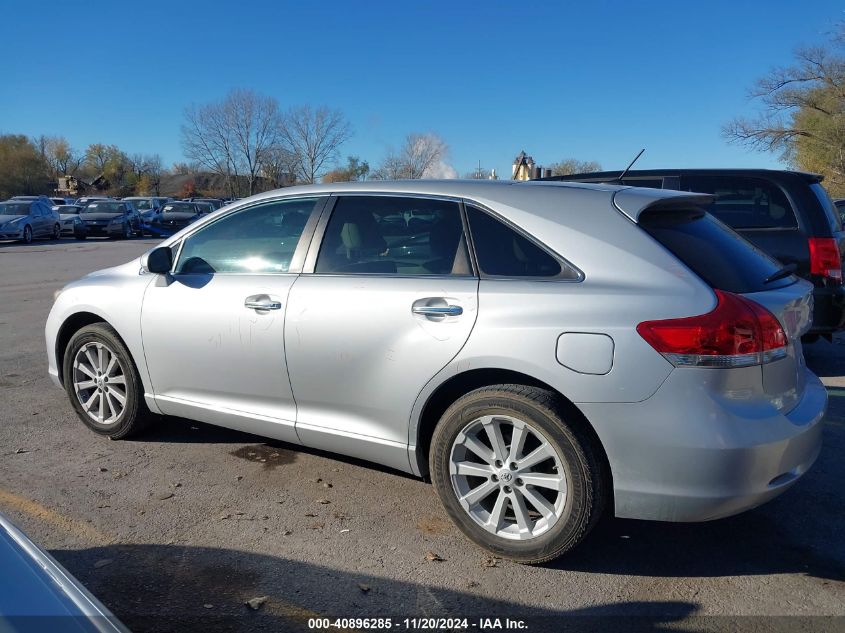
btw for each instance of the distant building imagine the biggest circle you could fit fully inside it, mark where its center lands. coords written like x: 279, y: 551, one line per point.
x: 523, y: 166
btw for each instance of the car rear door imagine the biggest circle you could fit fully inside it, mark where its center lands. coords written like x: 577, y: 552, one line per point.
x: 727, y: 262
x: 387, y: 298
x: 213, y: 330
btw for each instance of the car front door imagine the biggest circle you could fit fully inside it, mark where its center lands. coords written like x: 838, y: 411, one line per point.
x: 387, y: 298
x: 213, y: 329
x: 38, y: 220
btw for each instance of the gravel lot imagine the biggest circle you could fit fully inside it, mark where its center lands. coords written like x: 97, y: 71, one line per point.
x: 176, y: 530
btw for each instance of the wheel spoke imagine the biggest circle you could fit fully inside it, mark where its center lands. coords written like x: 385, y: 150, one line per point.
x: 117, y: 380
x: 109, y: 405
x: 517, y: 442
x: 102, y: 406
x: 497, y: 514
x: 85, y: 370
x: 86, y: 384
x: 479, y: 449
x: 111, y: 365
x: 91, y: 359
x: 469, y: 469
x: 494, y: 434
x: 543, y: 480
x: 539, y: 502
x: 539, y: 454
x: 101, y: 365
x: 117, y: 395
x: 479, y: 493
x: 520, y: 511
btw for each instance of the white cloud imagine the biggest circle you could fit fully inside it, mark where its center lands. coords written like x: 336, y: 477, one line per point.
x: 440, y: 170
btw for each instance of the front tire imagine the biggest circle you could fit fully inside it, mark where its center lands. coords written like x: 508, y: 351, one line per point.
x: 57, y: 232
x: 27, y: 234
x: 515, y: 476
x: 103, y: 384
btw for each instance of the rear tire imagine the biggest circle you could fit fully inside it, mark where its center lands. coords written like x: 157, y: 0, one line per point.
x: 103, y: 384
x: 57, y: 232
x: 560, y: 498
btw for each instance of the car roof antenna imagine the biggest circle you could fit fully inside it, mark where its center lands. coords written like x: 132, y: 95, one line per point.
x: 631, y: 164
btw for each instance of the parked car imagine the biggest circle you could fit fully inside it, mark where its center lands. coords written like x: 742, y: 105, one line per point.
x: 788, y: 214
x: 214, y: 202
x: 177, y: 215
x: 27, y: 219
x: 111, y: 218
x: 86, y: 199
x: 554, y: 352
x: 72, y: 224
x: 840, y: 208
x: 38, y: 594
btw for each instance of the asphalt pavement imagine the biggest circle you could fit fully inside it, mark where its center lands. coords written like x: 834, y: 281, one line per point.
x: 177, y: 529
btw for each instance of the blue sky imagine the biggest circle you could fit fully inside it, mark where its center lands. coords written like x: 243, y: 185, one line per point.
x: 592, y: 80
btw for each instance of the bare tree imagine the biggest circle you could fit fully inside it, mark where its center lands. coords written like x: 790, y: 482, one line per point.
x: 233, y: 136
x: 279, y: 166
x: 314, y: 136
x: 422, y: 156
x: 207, y: 140
x: 60, y: 156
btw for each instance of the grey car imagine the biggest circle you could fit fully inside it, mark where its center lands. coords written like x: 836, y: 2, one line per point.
x: 111, y: 218
x: 544, y: 352
x: 25, y: 220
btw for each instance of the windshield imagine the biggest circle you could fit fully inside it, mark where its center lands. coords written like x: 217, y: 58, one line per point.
x: 14, y: 208
x: 103, y: 207
x: 69, y: 208
x: 179, y: 207
x: 142, y: 204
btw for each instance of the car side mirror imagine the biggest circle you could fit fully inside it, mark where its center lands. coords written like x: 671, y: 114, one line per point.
x: 159, y: 260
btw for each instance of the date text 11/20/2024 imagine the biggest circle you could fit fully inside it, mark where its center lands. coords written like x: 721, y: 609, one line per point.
x: 419, y: 624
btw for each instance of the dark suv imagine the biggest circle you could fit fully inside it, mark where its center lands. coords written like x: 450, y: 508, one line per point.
x: 787, y: 214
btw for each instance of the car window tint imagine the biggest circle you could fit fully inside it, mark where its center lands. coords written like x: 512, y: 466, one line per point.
x: 719, y: 255
x: 502, y: 251
x: 394, y: 236
x: 260, y: 239
x: 745, y: 203
x: 834, y: 219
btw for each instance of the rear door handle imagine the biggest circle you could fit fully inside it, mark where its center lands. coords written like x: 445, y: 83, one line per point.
x: 438, y: 310
x: 262, y: 302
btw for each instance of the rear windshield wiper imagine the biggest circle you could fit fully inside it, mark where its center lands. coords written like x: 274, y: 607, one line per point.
x: 786, y: 271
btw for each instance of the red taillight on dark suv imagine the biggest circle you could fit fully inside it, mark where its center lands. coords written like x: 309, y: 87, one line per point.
x: 825, y: 259
x: 737, y: 333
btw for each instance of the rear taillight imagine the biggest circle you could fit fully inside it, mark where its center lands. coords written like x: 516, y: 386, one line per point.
x: 824, y: 258
x: 737, y: 333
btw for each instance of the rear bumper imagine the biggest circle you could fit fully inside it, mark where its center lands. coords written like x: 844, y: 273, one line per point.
x: 686, y: 454
x: 828, y: 310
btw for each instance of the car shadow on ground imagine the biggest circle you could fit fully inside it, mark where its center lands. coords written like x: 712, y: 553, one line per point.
x: 798, y: 532
x: 181, y: 588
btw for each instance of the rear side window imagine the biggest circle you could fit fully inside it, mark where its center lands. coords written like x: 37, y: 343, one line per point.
x: 832, y: 214
x: 503, y: 252
x: 745, y: 203
x: 720, y: 256
x: 394, y: 235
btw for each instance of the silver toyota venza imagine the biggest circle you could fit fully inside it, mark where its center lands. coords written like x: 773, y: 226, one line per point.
x: 545, y: 352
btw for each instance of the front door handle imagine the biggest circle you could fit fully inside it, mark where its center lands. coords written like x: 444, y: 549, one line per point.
x: 262, y: 302
x: 438, y: 310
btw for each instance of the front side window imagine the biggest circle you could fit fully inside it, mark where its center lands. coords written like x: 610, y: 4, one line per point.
x: 502, y: 251
x: 259, y: 239
x: 745, y: 203
x: 394, y: 236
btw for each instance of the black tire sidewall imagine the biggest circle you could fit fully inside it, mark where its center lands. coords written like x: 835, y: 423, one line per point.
x: 27, y: 235
x: 127, y: 422
x: 577, y: 514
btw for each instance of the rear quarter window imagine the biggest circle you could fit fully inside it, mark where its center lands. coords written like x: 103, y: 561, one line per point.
x: 745, y: 203
x: 831, y: 212
x: 713, y: 251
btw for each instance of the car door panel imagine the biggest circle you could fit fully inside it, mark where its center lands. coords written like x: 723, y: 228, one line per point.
x: 359, y: 356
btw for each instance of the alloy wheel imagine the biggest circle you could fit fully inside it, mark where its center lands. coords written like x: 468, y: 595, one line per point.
x: 508, y: 477
x: 99, y: 382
